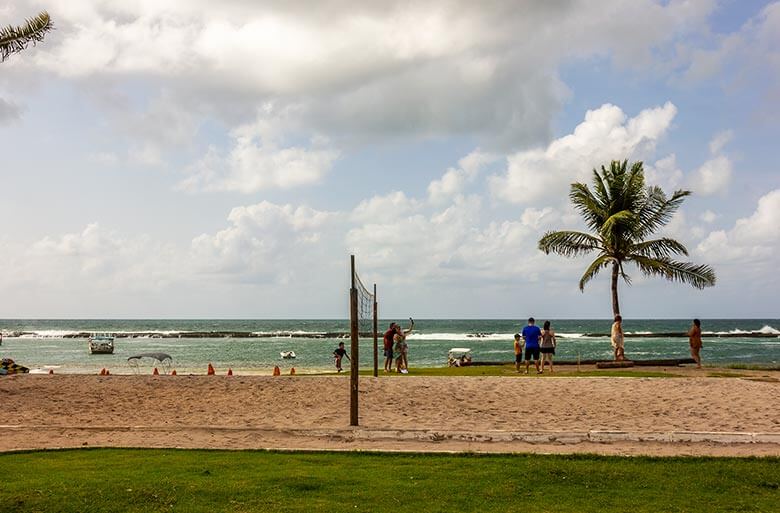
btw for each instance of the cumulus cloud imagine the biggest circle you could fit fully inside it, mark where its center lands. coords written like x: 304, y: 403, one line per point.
x: 266, y: 242
x: 713, y: 177
x: 455, y: 179
x: 357, y: 69
x: 534, y: 176
x: 752, y: 240
x: 255, y: 163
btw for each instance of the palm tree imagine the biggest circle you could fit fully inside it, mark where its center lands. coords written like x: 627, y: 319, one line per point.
x: 16, y: 39
x: 622, y: 213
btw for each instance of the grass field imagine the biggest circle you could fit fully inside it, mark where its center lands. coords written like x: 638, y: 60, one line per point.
x: 207, y: 481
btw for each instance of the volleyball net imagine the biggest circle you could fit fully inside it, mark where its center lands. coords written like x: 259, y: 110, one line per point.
x: 363, y: 318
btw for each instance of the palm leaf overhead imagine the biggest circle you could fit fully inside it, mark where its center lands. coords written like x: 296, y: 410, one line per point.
x: 15, y: 39
x: 622, y: 213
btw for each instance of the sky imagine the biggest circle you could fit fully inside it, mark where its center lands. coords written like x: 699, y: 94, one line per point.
x: 197, y: 159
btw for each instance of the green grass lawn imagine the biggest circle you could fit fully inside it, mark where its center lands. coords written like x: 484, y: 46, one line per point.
x: 208, y: 481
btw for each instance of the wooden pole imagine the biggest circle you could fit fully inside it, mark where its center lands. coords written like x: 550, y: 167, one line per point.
x: 353, y: 357
x: 376, y: 328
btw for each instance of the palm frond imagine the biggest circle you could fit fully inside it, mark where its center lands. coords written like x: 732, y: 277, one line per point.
x: 593, y: 269
x: 658, y: 210
x: 699, y: 276
x: 16, y: 39
x: 659, y: 248
x: 569, y: 243
x: 624, y: 218
x: 587, y: 205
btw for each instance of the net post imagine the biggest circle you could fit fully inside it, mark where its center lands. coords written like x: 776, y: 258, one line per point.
x: 376, y: 328
x: 353, y: 359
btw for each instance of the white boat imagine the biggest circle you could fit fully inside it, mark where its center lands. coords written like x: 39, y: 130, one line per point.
x: 101, y: 344
x: 287, y: 355
x: 459, y: 357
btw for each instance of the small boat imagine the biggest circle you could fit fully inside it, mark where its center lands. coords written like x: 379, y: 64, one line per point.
x: 459, y: 357
x: 101, y: 344
x: 287, y: 355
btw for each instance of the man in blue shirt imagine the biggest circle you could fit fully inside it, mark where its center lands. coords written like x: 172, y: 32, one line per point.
x: 531, y: 335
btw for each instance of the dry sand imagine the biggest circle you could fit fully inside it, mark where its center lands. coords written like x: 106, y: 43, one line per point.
x: 661, y: 416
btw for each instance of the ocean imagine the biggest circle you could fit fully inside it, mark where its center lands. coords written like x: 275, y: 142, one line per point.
x: 254, y: 346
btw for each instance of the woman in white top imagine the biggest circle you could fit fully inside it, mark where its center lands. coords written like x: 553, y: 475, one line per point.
x: 617, y: 338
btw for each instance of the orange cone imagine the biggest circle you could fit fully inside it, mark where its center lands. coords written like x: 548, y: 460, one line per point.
x: 51, y: 371
x: 173, y: 372
x: 103, y: 371
x: 230, y: 372
x: 292, y: 371
x: 277, y: 372
x: 210, y: 370
x: 107, y: 373
x: 156, y: 372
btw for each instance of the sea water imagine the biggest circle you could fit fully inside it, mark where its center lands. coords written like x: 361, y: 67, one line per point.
x: 255, y: 345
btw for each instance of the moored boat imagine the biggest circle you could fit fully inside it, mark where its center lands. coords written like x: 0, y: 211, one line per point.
x: 101, y: 344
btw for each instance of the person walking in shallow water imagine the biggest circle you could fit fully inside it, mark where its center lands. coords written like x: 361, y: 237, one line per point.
x: 547, y: 346
x: 694, y: 339
x: 616, y: 337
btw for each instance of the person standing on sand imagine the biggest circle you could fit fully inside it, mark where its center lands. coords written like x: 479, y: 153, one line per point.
x: 402, y: 348
x: 694, y: 338
x: 616, y: 337
x: 388, y: 347
x: 339, y: 354
x: 531, y: 334
x: 518, y: 352
x: 547, y: 347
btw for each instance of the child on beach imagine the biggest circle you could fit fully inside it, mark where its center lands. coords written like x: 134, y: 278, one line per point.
x: 518, y: 352
x: 547, y: 347
x: 338, y: 354
x: 694, y: 339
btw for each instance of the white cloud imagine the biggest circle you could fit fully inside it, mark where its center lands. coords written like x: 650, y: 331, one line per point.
x: 535, y: 176
x: 708, y: 216
x: 358, y: 69
x: 254, y: 165
x: 267, y: 243
x: 713, y: 177
x: 720, y: 141
x: 753, y: 240
x: 664, y: 173
x: 454, y: 180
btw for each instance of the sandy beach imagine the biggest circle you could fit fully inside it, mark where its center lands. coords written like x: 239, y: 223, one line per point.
x: 660, y: 416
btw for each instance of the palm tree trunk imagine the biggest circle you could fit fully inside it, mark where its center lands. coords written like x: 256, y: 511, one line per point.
x: 615, y: 303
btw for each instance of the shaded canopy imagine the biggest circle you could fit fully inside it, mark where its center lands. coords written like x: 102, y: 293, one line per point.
x: 156, y: 356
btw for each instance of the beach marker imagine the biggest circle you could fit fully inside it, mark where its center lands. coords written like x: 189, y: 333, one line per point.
x: 230, y: 372
x: 103, y: 371
x: 173, y: 372
x: 156, y: 372
x: 292, y: 371
x: 210, y: 370
x: 277, y: 372
x: 107, y: 373
x: 51, y: 371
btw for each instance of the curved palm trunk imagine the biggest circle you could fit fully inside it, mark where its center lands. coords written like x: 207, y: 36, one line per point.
x: 615, y: 304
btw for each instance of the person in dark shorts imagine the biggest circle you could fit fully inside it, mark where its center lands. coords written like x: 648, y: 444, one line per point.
x: 387, y: 344
x: 339, y: 354
x: 518, y: 352
x: 547, y: 345
x: 531, y: 335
